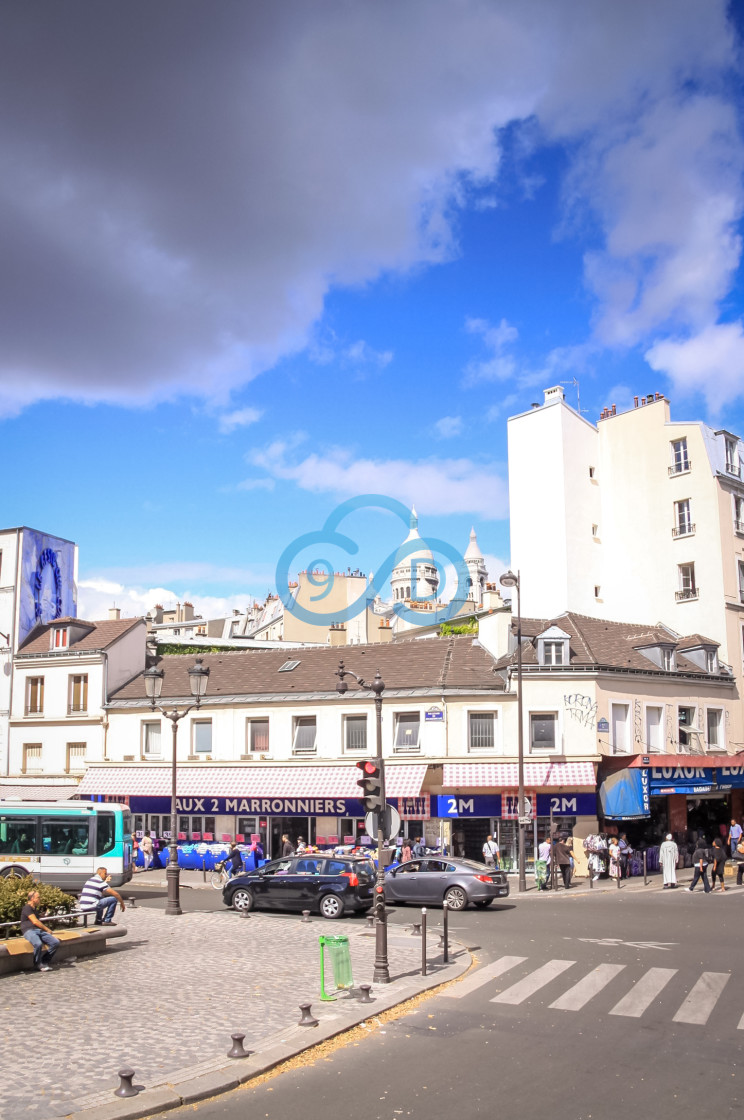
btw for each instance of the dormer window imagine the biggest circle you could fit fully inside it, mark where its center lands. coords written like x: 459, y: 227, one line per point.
x: 711, y: 661
x: 553, y: 647
x: 60, y: 637
x: 662, y: 654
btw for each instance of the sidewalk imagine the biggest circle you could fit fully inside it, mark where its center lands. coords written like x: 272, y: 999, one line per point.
x: 165, y: 999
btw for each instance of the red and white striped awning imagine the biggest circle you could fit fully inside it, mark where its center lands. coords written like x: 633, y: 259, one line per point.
x: 537, y: 775
x: 244, y: 781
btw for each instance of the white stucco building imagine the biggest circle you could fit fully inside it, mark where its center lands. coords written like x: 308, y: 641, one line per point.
x: 636, y: 517
x: 63, y: 675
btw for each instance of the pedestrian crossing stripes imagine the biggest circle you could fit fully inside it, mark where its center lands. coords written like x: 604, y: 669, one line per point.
x: 702, y: 999
x: 695, y: 1009
x: 521, y: 991
x: 587, y: 988
x: 644, y: 992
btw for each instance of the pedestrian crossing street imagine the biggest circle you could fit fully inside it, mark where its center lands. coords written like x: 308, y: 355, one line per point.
x: 695, y: 1008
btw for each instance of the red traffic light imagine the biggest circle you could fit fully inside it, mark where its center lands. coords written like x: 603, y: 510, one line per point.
x: 368, y: 767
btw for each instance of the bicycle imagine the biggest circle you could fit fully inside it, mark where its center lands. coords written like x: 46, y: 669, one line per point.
x: 219, y: 876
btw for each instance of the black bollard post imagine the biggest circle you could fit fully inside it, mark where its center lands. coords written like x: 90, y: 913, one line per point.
x: 370, y: 921
x: 126, y: 1088
x: 237, y: 1050
x: 591, y: 879
x: 308, y: 1019
x: 365, y: 997
x: 423, y: 941
x: 306, y: 916
x: 445, y: 930
x: 645, y: 869
x: 204, y: 870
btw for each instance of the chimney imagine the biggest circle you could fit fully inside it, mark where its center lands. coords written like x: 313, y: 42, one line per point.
x: 492, y: 600
x: 337, y: 634
x: 385, y: 631
x: 114, y: 614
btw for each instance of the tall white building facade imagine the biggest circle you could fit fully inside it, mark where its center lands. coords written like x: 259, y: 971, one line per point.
x: 636, y: 518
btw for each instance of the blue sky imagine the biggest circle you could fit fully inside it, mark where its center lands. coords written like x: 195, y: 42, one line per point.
x: 320, y: 250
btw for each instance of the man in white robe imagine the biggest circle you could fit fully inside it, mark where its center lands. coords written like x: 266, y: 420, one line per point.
x: 668, y: 854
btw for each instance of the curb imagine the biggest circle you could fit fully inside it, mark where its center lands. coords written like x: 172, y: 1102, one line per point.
x: 220, y: 1075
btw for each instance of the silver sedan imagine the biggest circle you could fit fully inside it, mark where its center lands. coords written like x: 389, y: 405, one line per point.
x: 432, y: 879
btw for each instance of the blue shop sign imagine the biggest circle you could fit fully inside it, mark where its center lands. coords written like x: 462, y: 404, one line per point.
x: 253, y: 806
x: 567, y: 804
x: 466, y: 805
x: 730, y: 777
x: 681, y: 779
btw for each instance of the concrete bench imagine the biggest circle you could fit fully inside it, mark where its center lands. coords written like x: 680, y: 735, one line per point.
x: 16, y: 954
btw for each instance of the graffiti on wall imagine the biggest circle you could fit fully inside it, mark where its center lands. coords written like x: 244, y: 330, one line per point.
x: 581, y: 708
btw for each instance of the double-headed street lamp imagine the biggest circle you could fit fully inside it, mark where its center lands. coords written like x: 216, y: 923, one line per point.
x: 198, y: 678
x: 382, y: 970
x: 509, y: 579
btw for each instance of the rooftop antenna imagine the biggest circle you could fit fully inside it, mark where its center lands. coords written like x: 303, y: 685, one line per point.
x: 575, y: 384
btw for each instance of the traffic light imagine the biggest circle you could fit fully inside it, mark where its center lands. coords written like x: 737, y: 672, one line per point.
x: 370, y: 781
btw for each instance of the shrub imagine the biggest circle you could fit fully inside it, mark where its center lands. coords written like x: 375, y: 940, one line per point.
x: 14, y: 896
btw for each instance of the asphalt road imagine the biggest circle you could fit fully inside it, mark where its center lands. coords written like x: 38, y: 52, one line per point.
x: 579, y: 1007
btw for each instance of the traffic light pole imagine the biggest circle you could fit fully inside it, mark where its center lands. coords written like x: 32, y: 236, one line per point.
x: 382, y: 971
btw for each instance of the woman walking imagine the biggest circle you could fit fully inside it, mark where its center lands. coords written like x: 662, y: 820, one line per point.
x: 719, y: 863
x: 668, y: 856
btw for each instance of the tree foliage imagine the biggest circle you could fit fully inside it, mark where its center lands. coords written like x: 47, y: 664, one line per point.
x: 14, y: 896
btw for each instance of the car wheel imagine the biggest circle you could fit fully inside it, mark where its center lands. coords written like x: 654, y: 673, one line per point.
x: 331, y: 906
x: 242, y: 900
x: 14, y: 873
x: 484, y: 903
x: 456, y: 898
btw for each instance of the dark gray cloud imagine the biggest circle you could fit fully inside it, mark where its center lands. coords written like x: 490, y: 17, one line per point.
x: 181, y: 182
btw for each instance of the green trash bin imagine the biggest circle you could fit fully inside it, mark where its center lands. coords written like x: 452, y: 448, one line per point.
x: 338, y: 948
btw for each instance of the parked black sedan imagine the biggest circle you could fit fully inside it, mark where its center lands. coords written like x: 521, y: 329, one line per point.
x: 331, y: 885
x: 433, y: 879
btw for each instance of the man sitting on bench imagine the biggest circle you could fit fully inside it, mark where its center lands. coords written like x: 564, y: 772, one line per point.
x: 99, y: 896
x: 39, y: 936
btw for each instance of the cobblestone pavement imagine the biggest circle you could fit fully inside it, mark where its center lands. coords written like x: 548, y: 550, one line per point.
x: 164, y: 998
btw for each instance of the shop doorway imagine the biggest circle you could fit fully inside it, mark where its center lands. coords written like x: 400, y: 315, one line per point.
x: 295, y: 827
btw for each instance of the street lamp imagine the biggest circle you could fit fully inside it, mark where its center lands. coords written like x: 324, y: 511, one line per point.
x: 509, y: 579
x: 382, y: 969
x: 198, y: 678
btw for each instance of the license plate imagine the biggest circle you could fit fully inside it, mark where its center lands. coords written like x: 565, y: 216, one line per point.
x: 502, y: 890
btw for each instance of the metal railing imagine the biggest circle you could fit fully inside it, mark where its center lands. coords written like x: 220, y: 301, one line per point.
x: 687, y: 593
x: 684, y: 530
x: 680, y: 468
x: 84, y: 914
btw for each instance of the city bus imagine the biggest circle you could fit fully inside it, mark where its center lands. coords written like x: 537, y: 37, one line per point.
x: 63, y: 842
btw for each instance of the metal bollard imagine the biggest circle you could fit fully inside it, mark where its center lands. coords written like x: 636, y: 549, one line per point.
x: 591, y: 879
x: 132, y: 903
x: 617, y: 880
x: 126, y: 1088
x: 423, y: 941
x: 305, y: 916
x: 645, y: 870
x: 370, y: 921
x: 365, y: 997
x: 416, y: 929
x: 445, y: 931
x: 204, y: 871
x: 237, y: 1050
x: 308, y: 1019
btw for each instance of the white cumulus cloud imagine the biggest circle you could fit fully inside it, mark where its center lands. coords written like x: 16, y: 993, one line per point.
x: 433, y: 485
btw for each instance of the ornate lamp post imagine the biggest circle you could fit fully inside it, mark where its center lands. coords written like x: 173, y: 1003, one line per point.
x: 509, y: 579
x: 198, y: 679
x: 381, y: 973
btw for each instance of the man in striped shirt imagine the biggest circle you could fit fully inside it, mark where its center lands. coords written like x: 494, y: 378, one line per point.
x: 99, y: 896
